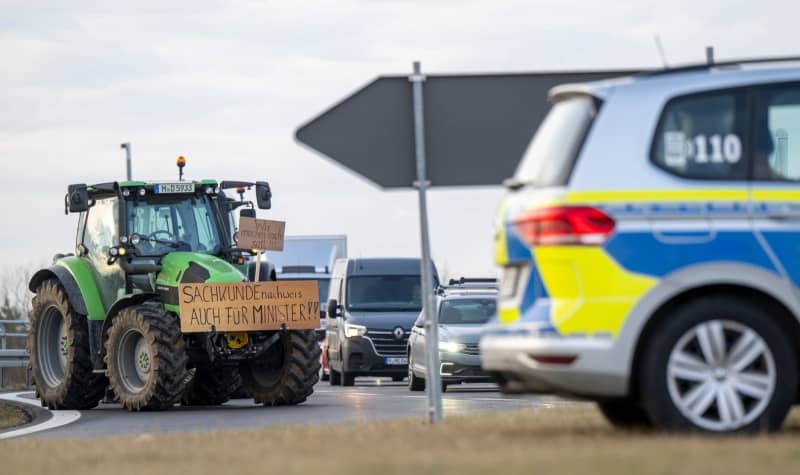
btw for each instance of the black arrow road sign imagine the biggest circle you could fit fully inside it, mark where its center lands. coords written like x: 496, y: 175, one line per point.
x: 476, y: 126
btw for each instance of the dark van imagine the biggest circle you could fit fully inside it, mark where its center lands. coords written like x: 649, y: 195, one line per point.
x: 373, y: 305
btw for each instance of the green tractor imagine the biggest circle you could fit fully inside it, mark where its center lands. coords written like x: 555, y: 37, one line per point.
x: 108, y: 315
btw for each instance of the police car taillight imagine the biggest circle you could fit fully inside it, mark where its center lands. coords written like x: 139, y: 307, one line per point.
x: 562, y: 225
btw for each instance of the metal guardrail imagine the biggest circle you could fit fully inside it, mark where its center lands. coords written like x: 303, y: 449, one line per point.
x: 12, y: 347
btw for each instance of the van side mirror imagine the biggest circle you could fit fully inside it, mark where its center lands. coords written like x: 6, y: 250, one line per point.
x: 247, y: 213
x: 333, y: 308
x: 263, y: 195
x: 77, y: 198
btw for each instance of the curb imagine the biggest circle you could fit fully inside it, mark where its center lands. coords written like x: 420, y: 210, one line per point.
x: 41, y: 419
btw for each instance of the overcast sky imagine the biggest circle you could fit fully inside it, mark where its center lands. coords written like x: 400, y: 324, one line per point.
x: 226, y: 83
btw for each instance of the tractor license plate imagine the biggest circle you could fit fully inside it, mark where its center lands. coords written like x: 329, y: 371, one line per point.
x: 395, y: 361
x: 165, y: 188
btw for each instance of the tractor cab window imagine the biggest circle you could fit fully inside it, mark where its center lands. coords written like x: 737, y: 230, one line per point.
x: 101, y: 231
x: 227, y: 215
x: 167, y: 223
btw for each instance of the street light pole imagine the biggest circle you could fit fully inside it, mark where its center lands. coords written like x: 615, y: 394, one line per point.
x: 432, y: 377
x: 127, y: 147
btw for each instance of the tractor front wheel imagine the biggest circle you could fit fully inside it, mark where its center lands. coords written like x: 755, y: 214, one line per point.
x: 286, y: 373
x: 58, y: 344
x: 146, y: 358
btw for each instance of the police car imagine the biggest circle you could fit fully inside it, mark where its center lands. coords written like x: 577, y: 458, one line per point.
x: 650, y: 249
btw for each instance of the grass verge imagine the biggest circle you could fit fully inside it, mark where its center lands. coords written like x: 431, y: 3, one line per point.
x: 11, y: 416
x: 559, y: 440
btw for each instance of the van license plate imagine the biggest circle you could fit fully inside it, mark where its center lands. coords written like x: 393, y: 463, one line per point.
x: 395, y: 361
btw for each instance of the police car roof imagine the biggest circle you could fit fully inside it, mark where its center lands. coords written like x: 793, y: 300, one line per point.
x: 686, y: 79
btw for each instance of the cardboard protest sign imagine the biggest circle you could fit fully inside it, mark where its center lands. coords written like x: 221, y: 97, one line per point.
x: 249, y: 306
x: 261, y: 234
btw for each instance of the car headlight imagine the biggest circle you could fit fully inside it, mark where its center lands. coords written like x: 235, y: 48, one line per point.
x: 450, y: 346
x: 351, y: 330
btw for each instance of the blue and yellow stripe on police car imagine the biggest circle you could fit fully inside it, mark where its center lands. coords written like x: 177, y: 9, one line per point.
x: 500, y: 238
x: 589, y: 292
x: 591, y: 289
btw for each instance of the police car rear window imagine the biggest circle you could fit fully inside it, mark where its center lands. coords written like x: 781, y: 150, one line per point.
x: 704, y: 136
x: 551, y: 155
x: 776, y: 135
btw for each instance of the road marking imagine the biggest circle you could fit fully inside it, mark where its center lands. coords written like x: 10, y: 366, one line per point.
x: 489, y: 399
x: 350, y: 393
x: 57, y: 419
x: 451, y: 398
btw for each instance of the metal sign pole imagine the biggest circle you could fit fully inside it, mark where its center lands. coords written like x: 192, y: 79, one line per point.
x: 432, y: 377
x: 127, y: 147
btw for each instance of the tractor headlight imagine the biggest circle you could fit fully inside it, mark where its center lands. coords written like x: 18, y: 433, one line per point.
x: 351, y: 330
x: 142, y: 191
x: 113, y: 251
x: 123, y: 239
x: 126, y: 192
x: 135, y: 239
x: 450, y: 346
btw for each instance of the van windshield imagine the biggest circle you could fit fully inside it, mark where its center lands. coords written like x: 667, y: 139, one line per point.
x: 550, y: 156
x: 377, y: 293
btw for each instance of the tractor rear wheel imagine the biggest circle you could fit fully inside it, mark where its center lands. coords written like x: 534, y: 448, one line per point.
x: 286, y: 373
x: 146, y: 358
x: 212, y: 386
x: 58, y: 345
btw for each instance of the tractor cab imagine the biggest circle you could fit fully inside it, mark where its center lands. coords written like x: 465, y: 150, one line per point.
x: 140, y: 224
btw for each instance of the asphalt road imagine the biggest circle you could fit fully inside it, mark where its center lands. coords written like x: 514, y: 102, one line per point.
x: 369, y: 399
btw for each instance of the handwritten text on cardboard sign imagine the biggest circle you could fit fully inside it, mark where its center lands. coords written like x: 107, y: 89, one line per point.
x: 262, y: 234
x: 249, y: 306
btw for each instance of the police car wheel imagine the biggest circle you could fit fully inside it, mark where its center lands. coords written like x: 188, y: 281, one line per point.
x: 624, y: 413
x: 718, y: 364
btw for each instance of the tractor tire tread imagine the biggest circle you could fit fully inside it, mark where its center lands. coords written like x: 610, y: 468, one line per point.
x: 298, y: 376
x: 81, y: 388
x: 212, y: 386
x: 169, y: 356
